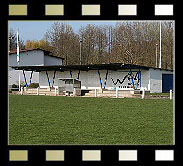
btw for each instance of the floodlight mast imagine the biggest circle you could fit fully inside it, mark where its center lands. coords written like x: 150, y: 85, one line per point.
x: 80, y: 49
x: 18, y: 57
x: 156, y: 55
x: 160, y: 47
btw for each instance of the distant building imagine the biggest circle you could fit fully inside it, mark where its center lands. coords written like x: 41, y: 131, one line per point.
x: 37, y: 65
x: 30, y: 57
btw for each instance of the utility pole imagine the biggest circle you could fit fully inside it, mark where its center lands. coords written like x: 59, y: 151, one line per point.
x: 160, y: 48
x: 18, y: 58
x: 156, y: 55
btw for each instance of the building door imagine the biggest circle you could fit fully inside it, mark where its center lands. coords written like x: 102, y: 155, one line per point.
x: 167, y: 82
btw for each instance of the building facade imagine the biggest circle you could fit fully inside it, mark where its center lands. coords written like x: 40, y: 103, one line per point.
x: 40, y: 66
x: 29, y: 57
x: 150, y: 79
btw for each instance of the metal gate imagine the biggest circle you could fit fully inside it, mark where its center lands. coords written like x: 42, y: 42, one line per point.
x: 167, y: 82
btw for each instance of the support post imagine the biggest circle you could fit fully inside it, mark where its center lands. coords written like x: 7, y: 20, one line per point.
x: 116, y: 93
x: 48, y: 79
x: 132, y: 79
x: 140, y: 79
x: 105, y: 79
x: 95, y: 92
x: 143, y: 93
x: 78, y: 75
x: 100, y: 79
x: 137, y: 80
x: 71, y: 73
x: 171, y: 95
x: 30, y: 78
x: 54, y: 78
x: 25, y: 78
x: 19, y: 80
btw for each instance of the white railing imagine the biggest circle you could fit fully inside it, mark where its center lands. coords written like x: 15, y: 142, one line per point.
x: 171, y: 94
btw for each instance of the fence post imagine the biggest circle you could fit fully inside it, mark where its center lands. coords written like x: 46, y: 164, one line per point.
x: 21, y: 90
x: 171, y: 94
x: 116, y: 93
x: 143, y: 93
x: 55, y: 91
x: 74, y: 92
x: 38, y: 91
x: 95, y: 92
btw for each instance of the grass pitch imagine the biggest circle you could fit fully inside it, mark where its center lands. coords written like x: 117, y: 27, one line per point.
x: 43, y: 120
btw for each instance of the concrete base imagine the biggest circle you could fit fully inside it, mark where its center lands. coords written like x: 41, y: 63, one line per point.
x: 112, y: 93
x: 42, y: 91
x: 91, y: 93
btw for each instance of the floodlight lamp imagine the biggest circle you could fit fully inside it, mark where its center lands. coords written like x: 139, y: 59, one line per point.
x: 122, y: 64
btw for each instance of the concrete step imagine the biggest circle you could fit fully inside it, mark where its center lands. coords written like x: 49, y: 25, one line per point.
x: 110, y: 95
x: 120, y: 95
x: 33, y: 93
x: 41, y: 90
x: 114, y: 91
x: 29, y: 93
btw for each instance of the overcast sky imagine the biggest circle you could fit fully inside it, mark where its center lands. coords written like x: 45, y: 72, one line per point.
x: 35, y: 30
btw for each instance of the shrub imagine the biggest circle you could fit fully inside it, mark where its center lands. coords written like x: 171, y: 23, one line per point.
x: 14, y: 86
x: 34, y: 85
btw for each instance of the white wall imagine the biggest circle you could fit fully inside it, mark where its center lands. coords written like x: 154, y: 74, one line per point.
x: 151, y: 80
x: 34, y: 58
x: 114, y: 75
x: 50, y: 61
x: 145, y: 79
x: 28, y: 58
x: 156, y: 80
x: 43, y: 82
x: 90, y: 79
x: 13, y: 77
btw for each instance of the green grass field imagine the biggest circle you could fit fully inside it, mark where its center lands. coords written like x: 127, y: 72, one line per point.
x: 76, y: 120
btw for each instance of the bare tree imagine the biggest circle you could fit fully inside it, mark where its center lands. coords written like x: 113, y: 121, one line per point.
x: 64, y: 42
x: 126, y: 42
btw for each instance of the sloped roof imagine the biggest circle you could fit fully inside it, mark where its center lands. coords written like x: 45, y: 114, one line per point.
x: 32, y: 49
x: 112, y: 66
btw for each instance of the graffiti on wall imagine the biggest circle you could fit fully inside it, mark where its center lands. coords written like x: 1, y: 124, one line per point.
x: 126, y: 81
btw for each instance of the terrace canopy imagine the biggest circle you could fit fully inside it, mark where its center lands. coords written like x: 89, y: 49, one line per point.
x: 116, y: 66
